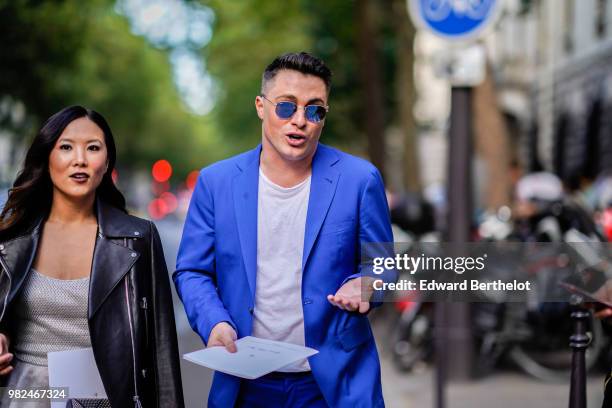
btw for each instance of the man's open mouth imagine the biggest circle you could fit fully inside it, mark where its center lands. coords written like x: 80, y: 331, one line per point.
x: 296, y: 137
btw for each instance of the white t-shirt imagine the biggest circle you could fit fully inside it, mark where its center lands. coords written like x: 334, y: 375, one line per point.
x: 281, y: 224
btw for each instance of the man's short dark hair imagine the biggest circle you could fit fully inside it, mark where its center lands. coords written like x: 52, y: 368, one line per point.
x: 297, y: 61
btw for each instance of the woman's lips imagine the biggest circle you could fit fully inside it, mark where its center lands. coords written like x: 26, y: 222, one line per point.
x: 80, y: 177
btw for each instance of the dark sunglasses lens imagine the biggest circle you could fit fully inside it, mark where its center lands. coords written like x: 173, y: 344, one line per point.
x: 315, y: 113
x: 285, y: 110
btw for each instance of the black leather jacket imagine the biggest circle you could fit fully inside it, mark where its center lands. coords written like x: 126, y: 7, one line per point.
x: 130, y: 315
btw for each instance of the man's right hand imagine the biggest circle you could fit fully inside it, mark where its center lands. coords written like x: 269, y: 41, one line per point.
x: 5, y: 356
x: 223, y: 334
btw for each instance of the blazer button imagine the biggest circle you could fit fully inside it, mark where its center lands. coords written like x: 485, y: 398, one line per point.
x: 250, y: 310
x: 133, y: 254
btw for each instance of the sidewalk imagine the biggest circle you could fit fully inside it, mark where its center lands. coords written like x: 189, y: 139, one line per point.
x: 501, y: 390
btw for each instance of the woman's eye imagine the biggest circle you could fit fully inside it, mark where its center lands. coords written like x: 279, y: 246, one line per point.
x: 65, y: 147
x: 94, y: 148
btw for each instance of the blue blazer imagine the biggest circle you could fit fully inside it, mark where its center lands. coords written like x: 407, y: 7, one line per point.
x: 217, y: 261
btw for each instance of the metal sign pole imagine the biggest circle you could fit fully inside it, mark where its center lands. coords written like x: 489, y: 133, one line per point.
x: 460, y: 222
x: 452, y: 320
x: 459, y: 22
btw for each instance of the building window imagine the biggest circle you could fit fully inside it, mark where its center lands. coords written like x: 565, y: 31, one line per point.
x: 601, y: 17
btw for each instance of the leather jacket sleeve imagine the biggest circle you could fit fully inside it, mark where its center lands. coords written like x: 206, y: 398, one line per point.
x: 166, y: 364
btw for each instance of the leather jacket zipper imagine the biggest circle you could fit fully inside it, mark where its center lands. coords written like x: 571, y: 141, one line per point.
x: 144, y: 306
x: 5, y: 269
x: 136, y: 397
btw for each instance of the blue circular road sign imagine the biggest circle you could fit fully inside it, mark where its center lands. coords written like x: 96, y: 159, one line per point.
x: 453, y: 19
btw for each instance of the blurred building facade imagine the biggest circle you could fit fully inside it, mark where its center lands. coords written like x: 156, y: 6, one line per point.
x: 552, y: 63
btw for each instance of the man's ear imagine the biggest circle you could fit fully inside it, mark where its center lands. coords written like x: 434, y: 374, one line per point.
x: 259, y: 106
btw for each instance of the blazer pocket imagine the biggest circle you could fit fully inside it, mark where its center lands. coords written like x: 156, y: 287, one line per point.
x: 357, y: 333
x: 336, y: 227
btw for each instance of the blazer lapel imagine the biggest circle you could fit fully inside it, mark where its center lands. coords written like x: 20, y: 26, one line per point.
x: 322, y: 190
x: 245, y: 189
x: 111, y: 260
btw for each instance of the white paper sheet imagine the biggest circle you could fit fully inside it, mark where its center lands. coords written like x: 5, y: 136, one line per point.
x: 77, y: 370
x: 255, y: 357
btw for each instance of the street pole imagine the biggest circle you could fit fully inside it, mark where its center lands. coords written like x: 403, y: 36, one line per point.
x: 440, y: 355
x: 464, y: 67
x: 460, y: 223
x: 579, y: 341
x: 453, y: 319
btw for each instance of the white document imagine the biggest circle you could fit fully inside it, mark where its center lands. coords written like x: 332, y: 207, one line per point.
x: 255, y: 357
x: 77, y: 370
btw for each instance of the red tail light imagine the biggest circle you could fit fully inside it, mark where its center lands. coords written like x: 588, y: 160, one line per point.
x: 606, y: 223
x: 404, y: 305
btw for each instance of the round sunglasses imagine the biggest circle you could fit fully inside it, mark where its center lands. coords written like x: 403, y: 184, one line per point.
x: 286, y: 109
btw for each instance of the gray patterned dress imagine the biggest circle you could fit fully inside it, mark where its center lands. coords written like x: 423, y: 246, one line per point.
x: 50, y: 315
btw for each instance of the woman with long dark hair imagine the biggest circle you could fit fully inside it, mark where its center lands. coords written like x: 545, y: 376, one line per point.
x: 77, y: 271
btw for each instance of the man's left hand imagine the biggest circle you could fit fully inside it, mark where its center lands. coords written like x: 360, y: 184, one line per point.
x: 350, y: 296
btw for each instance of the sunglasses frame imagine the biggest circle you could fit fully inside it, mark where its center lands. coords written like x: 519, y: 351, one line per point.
x: 325, y: 107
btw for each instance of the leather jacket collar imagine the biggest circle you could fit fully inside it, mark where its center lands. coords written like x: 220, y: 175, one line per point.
x: 112, y: 258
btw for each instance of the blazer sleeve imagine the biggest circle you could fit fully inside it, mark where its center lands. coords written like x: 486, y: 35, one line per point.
x: 166, y: 355
x: 195, y: 275
x: 375, y: 235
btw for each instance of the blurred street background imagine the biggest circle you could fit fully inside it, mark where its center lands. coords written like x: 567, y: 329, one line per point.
x: 177, y: 81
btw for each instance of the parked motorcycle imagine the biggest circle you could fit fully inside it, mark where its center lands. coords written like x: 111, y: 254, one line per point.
x: 533, y: 334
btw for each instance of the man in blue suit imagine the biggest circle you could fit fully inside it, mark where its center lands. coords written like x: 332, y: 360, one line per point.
x: 271, y: 248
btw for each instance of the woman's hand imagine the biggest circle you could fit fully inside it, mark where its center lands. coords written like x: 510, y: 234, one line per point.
x: 5, y: 356
x: 604, y: 293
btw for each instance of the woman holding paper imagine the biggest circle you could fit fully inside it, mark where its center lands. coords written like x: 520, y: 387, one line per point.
x: 77, y: 271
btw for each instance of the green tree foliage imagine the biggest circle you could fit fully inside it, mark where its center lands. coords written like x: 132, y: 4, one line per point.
x: 41, y: 42
x: 335, y: 41
x: 67, y: 52
x: 247, y: 36
x: 57, y: 53
x: 130, y: 82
